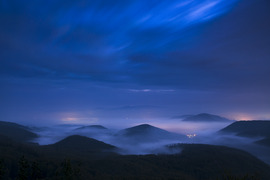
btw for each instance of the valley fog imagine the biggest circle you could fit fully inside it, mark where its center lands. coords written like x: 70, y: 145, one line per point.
x: 148, y: 139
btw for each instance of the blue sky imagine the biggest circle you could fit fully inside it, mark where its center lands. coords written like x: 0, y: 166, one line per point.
x: 133, y: 61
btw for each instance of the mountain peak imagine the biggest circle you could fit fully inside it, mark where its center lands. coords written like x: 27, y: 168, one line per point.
x: 205, y: 117
x: 141, y: 128
x: 82, y: 143
x: 147, y: 133
x: 97, y: 127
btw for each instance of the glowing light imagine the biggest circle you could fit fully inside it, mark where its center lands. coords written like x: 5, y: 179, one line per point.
x: 76, y: 117
x: 70, y: 119
x: 191, y: 135
x: 243, y: 117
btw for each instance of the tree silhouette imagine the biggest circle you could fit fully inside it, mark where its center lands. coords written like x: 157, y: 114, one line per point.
x: 23, y: 169
x: 35, y: 171
x: 67, y: 170
x: 2, y: 169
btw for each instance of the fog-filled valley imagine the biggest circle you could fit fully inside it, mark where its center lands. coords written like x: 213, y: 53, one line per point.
x: 147, y: 139
x: 236, y: 141
x: 137, y: 139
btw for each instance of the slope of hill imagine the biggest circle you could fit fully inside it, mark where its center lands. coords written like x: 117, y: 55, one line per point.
x: 194, y: 162
x: 141, y: 130
x: 81, y: 144
x: 204, y: 117
x: 181, y: 116
x: 264, y: 142
x: 249, y: 128
x: 147, y: 133
x: 94, y: 131
x: 223, y: 160
x: 92, y: 127
x: 16, y: 132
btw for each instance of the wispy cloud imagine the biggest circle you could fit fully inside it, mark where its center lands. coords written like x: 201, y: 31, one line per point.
x: 151, y: 90
x: 129, y: 107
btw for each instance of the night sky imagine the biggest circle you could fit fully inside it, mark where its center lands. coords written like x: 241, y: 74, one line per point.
x: 124, y: 62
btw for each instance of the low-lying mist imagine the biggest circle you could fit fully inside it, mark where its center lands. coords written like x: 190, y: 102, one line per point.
x: 153, y: 140
x: 147, y: 143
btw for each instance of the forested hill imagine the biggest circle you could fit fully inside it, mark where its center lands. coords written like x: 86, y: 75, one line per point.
x: 195, y: 162
x: 254, y: 128
x: 16, y: 132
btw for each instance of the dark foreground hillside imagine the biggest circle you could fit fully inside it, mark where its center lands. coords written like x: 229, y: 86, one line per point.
x: 26, y: 161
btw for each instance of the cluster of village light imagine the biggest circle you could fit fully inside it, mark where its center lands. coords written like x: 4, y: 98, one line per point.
x: 191, y: 135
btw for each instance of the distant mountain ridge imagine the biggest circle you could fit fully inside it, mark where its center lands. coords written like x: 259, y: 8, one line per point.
x: 205, y: 117
x: 16, y: 131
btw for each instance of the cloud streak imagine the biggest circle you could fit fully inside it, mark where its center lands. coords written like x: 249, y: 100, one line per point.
x: 96, y: 40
